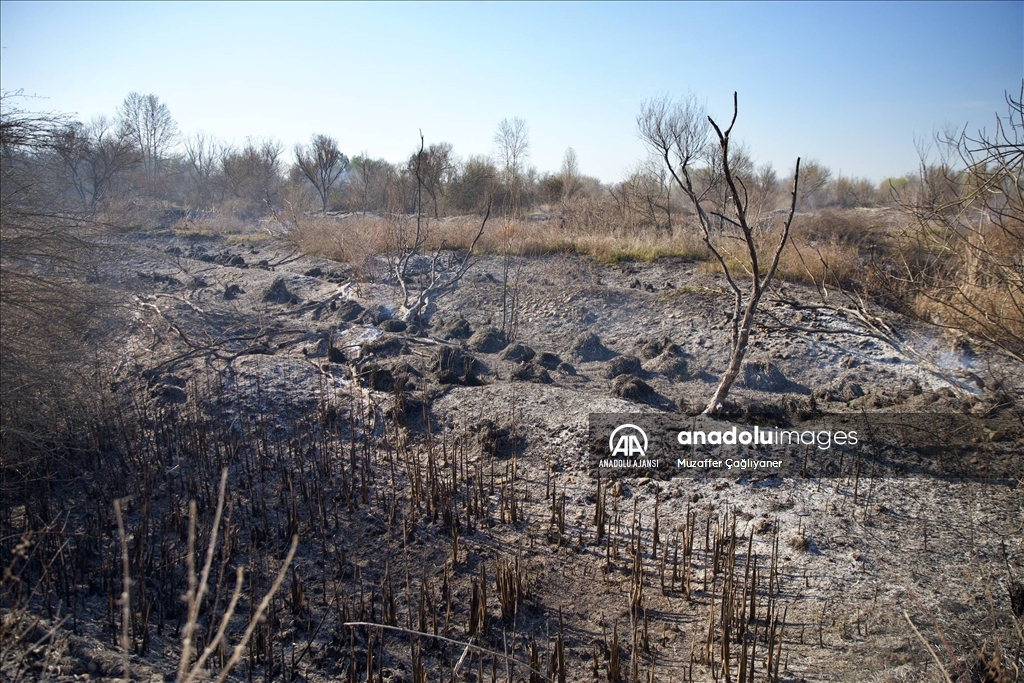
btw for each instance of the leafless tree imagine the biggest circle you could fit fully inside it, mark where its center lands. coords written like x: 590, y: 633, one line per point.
x: 371, y: 183
x: 50, y: 314
x: 513, y: 142
x: 765, y: 186
x: 322, y: 163
x: 73, y: 147
x: 253, y: 173
x: 570, y: 175
x: 679, y: 134
x: 643, y: 197
x: 513, y: 149
x: 93, y: 157
x: 148, y: 123
x: 202, y: 163
x: 815, y: 184
x: 424, y: 279
x: 848, y: 193
x: 473, y: 184
x: 434, y: 168
x: 963, y: 258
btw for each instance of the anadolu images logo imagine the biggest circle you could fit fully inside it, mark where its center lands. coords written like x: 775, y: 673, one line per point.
x: 628, y: 444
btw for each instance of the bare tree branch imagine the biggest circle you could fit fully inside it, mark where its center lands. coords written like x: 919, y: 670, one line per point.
x: 678, y: 134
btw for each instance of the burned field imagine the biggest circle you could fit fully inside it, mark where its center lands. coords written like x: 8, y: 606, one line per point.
x: 417, y: 502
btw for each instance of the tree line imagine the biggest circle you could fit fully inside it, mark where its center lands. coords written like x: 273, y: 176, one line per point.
x: 141, y: 155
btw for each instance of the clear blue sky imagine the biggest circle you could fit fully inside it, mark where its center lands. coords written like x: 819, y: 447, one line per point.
x: 853, y: 85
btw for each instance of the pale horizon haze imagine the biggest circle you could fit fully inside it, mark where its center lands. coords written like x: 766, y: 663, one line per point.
x: 856, y: 86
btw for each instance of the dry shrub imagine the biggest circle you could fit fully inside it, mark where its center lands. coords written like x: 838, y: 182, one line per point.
x: 969, y: 280
x: 964, y: 248
x: 644, y: 245
x: 834, y: 248
x: 354, y: 240
x: 211, y: 225
x: 55, y: 312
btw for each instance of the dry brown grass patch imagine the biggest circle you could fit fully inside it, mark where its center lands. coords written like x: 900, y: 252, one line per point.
x: 355, y: 239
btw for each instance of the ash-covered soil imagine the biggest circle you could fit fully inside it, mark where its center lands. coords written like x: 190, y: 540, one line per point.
x: 847, y: 567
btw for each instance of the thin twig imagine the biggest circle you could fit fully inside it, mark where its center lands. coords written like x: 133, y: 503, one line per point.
x: 125, y: 588
x: 929, y: 648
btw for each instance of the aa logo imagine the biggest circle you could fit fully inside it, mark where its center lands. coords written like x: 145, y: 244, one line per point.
x: 628, y: 444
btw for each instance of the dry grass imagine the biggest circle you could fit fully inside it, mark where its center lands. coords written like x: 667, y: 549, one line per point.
x: 356, y: 239
x: 850, y: 250
x: 969, y: 281
x: 829, y: 249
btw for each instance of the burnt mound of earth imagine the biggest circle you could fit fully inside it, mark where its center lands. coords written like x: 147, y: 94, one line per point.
x: 671, y: 363
x: 588, y: 348
x: 278, y: 293
x: 842, y: 390
x: 632, y: 388
x: 498, y: 440
x: 488, y: 340
x: 532, y: 372
x: 348, y: 310
x: 518, y: 353
x: 765, y: 376
x: 458, y: 328
x: 622, y: 365
x: 451, y: 365
x: 385, y: 346
x: 388, y: 374
x: 549, y: 361
x: 650, y: 349
x: 375, y: 315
